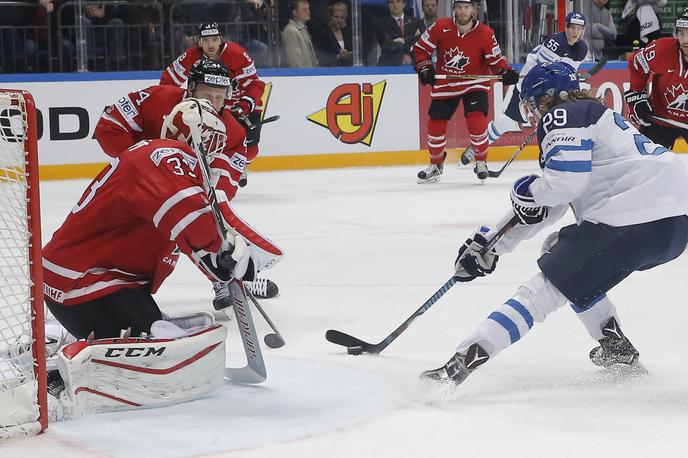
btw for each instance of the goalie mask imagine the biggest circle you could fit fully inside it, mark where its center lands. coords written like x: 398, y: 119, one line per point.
x: 192, y: 116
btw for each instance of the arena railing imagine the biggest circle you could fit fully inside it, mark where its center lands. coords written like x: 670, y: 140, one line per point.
x: 24, y: 45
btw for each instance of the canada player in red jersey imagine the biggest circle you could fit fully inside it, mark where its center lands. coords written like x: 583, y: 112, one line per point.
x: 247, y: 88
x: 464, y: 46
x: 664, y: 64
x: 115, y: 248
x: 140, y: 115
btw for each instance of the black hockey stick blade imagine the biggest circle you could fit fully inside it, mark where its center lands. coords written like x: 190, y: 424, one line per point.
x: 270, y: 119
x: 345, y: 340
x: 593, y: 70
x: 497, y: 173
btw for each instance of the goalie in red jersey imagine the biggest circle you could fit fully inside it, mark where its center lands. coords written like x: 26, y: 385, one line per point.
x: 664, y: 63
x: 140, y: 115
x: 245, y: 99
x: 464, y: 46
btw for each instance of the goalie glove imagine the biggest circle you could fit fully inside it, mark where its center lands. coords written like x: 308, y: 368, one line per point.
x: 524, y: 205
x: 232, y: 261
x: 426, y: 72
x: 640, y: 111
x: 470, y: 264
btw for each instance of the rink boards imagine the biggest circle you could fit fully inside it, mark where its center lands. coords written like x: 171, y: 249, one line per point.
x: 328, y: 117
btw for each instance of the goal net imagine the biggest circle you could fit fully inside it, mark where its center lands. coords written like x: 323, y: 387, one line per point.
x: 22, y: 341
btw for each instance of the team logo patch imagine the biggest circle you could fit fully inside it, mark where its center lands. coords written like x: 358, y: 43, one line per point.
x: 351, y: 112
x: 677, y: 98
x: 455, y: 60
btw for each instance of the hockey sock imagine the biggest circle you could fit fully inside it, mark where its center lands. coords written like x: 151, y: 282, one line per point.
x: 477, y: 128
x: 595, y: 314
x: 499, y: 126
x: 532, y: 302
x: 437, y: 139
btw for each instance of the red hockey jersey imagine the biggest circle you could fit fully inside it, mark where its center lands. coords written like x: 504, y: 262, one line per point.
x: 126, y: 227
x: 139, y: 116
x: 661, y: 63
x: 242, y: 69
x: 475, y: 52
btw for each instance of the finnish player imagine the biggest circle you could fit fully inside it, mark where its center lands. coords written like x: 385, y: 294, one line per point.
x: 566, y: 46
x: 630, y: 199
x: 664, y: 64
x: 118, y: 244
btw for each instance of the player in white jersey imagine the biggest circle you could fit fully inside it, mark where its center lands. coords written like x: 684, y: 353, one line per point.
x: 630, y: 199
x: 566, y: 46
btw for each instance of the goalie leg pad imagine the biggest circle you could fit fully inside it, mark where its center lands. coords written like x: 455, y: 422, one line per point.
x: 121, y: 374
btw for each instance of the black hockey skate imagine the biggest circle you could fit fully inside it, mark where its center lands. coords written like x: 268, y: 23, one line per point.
x: 223, y: 298
x: 467, y: 155
x: 480, y: 170
x: 431, y: 174
x: 458, y: 368
x: 262, y: 288
x: 615, y: 349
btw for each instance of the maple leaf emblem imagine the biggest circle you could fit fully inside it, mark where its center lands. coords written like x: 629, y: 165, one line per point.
x: 455, y: 60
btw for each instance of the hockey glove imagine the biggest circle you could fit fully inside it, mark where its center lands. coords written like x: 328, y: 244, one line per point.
x: 640, y: 111
x: 509, y: 76
x: 426, y: 72
x: 524, y: 205
x: 245, y: 104
x: 470, y: 264
x: 233, y: 261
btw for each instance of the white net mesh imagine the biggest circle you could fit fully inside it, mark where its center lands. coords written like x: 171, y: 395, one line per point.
x: 18, y: 388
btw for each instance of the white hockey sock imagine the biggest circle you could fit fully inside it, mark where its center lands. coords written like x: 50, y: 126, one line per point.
x: 594, y: 315
x: 499, y: 126
x: 532, y: 302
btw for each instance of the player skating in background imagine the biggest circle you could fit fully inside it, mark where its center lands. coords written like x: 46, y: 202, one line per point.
x: 245, y: 99
x: 464, y: 46
x: 121, y: 240
x: 565, y: 47
x: 140, y: 115
x: 664, y: 64
x: 630, y: 199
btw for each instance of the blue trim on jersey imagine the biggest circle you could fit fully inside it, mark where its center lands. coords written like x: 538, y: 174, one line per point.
x: 507, y: 324
x: 586, y: 145
x: 582, y: 308
x: 522, y: 310
x: 570, y: 166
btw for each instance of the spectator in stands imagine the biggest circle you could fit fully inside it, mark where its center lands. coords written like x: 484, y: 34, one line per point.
x: 396, y: 34
x: 333, y: 43
x: 17, y: 48
x: 253, y: 15
x: 601, y: 29
x: 63, y: 44
x: 104, y: 36
x: 298, y: 51
x: 643, y: 12
x: 429, y: 14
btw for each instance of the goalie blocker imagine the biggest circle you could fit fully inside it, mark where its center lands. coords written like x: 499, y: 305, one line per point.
x: 182, y: 362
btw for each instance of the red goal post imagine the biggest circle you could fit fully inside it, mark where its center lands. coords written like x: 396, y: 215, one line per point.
x: 23, y: 393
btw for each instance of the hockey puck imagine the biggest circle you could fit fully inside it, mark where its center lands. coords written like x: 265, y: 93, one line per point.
x: 355, y: 350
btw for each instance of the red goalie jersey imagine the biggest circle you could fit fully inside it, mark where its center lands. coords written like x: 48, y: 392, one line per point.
x: 125, y: 229
x: 661, y: 63
x: 241, y: 67
x: 476, y: 52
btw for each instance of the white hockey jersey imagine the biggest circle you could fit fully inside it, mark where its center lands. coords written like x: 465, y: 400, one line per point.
x: 554, y: 48
x: 597, y: 163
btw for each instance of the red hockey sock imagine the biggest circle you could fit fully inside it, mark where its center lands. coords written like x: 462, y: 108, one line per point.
x: 477, y: 128
x: 437, y: 139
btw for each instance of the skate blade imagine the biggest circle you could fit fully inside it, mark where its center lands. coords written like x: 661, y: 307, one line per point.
x: 428, y: 181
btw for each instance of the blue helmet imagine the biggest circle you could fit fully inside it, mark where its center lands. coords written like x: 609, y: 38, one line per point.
x: 575, y: 18
x: 549, y: 78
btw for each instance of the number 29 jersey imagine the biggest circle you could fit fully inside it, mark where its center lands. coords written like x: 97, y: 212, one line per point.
x: 596, y: 161
x: 126, y: 227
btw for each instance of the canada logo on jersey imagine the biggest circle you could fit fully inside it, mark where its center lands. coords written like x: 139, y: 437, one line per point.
x: 677, y: 98
x: 455, y: 60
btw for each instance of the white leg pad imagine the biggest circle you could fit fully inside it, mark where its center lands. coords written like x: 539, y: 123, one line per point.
x: 134, y: 373
x: 533, y: 301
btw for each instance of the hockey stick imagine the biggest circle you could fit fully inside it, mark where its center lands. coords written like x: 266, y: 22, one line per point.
x: 468, y: 77
x: 593, y: 70
x: 671, y: 122
x: 274, y: 340
x: 270, y: 119
x: 497, y: 173
x: 357, y: 346
x: 254, y: 371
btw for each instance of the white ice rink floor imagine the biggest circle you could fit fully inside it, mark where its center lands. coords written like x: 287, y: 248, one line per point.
x: 364, y: 249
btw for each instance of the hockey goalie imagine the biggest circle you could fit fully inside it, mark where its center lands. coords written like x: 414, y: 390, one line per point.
x: 120, y: 241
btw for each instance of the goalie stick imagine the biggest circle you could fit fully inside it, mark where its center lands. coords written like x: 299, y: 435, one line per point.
x: 497, y: 173
x: 254, y: 371
x: 357, y: 346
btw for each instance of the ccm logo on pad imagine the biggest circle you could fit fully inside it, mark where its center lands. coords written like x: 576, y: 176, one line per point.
x: 134, y: 352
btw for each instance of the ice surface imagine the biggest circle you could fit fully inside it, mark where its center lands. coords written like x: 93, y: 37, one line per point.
x: 364, y: 248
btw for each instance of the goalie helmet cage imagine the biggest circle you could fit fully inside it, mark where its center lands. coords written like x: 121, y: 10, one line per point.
x: 23, y: 392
